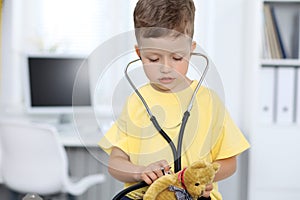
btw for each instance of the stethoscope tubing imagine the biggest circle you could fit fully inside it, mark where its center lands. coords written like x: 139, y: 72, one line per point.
x: 176, y: 152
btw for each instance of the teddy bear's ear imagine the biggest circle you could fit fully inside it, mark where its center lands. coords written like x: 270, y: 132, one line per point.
x: 199, y: 164
x: 216, y: 166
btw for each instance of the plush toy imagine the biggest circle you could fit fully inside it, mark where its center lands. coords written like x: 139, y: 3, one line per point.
x: 187, y: 184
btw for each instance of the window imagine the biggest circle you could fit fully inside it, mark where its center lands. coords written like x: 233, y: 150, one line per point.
x: 74, y: 26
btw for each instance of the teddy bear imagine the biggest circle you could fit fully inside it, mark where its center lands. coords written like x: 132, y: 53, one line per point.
x: 187, y: 184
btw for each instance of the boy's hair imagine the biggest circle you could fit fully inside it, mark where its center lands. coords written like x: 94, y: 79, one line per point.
x: 158, y: 18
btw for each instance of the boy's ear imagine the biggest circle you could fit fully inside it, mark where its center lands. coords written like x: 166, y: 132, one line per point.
x: 137, y: 50
x: 193, y: 46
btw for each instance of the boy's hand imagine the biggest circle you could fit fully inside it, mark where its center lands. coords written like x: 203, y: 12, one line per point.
x: 208, y: 189
x: 154, y: 171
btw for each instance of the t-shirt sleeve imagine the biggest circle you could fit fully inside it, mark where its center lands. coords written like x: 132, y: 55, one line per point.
x: 231, y: 140
x: 117, y: 135
x: 114, y: 137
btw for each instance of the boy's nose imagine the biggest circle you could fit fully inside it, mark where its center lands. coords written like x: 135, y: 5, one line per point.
x: 165, y: 67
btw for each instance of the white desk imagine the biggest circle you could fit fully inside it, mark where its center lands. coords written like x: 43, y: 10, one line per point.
x: 80, y: 138
x: 85, y: 133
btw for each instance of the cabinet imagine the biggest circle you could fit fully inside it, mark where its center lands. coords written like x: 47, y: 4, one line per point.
x: 273, y: 119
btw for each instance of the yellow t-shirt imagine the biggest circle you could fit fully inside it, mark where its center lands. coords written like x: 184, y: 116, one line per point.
x: 210, y: 133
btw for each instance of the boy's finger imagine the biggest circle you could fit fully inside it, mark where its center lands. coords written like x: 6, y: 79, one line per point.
x: 146, y: 179
x: 159, y: 172
x: 164, y: 166
x: 206, y: 194
x: 152, y: 175
x: 209, y: 187
x: 167, y: 169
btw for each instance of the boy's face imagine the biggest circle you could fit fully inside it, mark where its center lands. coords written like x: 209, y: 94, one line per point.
x: 165, y: 61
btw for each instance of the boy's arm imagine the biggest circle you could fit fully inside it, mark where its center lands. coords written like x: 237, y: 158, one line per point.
x: 121, y: 168
x: 228, y: 167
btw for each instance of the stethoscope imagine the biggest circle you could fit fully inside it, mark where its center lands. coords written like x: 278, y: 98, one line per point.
x: 176, y: 152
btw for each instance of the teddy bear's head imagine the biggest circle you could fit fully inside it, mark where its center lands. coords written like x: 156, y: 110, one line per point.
x: 189, y: 183
x: 195, y: 177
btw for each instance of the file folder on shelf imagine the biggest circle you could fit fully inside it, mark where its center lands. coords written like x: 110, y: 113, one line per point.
x: 298, y: 97
x: 266, y: 106
x: 285, y: 95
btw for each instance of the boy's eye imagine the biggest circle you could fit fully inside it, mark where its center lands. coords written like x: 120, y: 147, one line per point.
x: 178, y: 58
x: 153, y: 60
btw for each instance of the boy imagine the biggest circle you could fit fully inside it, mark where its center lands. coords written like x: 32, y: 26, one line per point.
x: 164, y: 31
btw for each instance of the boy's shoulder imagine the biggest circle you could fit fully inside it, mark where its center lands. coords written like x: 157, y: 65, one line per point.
x: 144, y: 90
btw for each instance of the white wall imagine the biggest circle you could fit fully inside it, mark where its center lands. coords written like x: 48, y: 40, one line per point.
x: 10, y: 87
x: 227, y: 54
x: 228, y: 37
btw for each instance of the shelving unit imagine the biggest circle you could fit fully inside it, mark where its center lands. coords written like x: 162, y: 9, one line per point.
x: 280, y: 54
x: 274, y: 129
x: 280, y: 62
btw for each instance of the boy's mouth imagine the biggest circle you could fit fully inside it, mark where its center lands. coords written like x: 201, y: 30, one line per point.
x: 166, y: 80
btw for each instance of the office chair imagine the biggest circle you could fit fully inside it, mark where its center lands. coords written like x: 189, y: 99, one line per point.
x: 34, y: 161
x: 1, y: 177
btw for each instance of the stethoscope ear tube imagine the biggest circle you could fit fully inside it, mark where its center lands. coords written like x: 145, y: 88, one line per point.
x: 167, y: 138
x: 135, y: 89
x: 177, y: 163
x: 200, y: 80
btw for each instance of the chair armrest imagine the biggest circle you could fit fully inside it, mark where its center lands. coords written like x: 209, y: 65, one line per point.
x: 79, y: 187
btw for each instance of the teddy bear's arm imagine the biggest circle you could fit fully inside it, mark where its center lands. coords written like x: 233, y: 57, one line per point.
x: 158, y: 186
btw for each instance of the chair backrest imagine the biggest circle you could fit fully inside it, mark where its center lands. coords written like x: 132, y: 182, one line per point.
x: 1, y: 177
x: 33, y: 159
